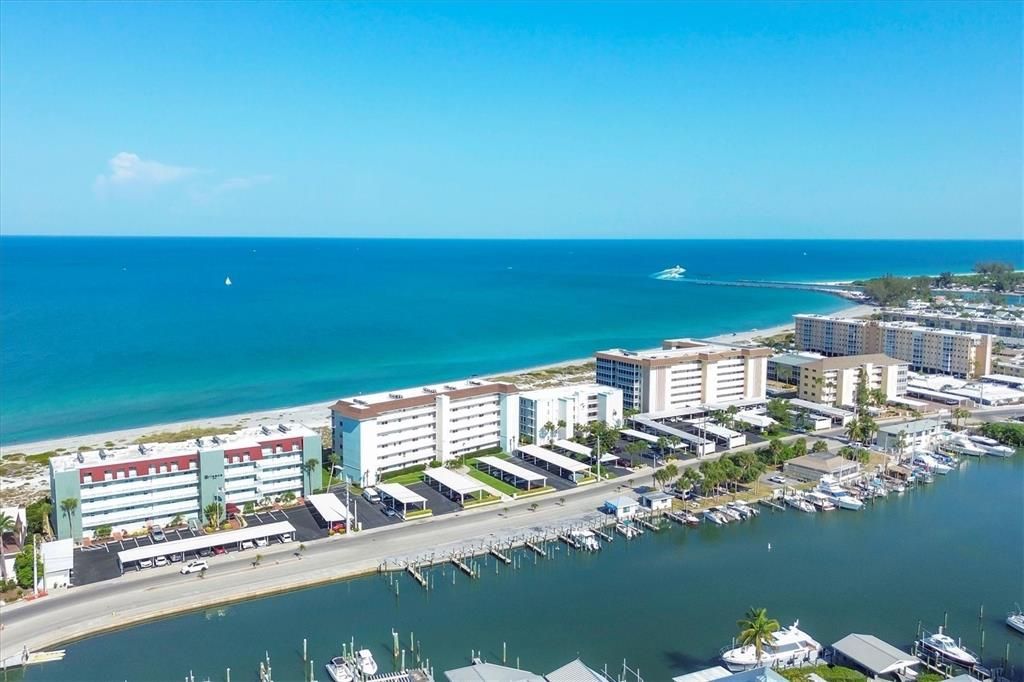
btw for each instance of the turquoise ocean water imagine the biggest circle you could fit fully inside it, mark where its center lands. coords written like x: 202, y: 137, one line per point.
x: 105, y: 333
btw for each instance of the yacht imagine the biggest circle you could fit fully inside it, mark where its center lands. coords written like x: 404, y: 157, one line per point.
x: 1015, y: 619
x: 789, y: 646
x: 839, y: 495
x: 931, y: 464
x: 744, y: 509
x: 944, y: 645
x: 730, y: 514
x: 675, y: 272
x: 798, y: 502
x: 364, y: 660
x: 340, y: 670
x: 714, y: 517
x: 227, y: 281
x: 992, y: 447
x: 820, y: 500
x: 963, y: 446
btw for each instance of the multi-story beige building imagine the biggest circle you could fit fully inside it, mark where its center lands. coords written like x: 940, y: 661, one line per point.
x: 383, y: 432
x: 684, y: 373
x: 943, y: 351
x: 834, y: 381
x: 1009, y: 329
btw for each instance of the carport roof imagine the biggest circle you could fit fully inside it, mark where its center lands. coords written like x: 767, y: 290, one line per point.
x: 400, y: 493
x: 511, y: 468
x: 329, y: 507
x: 463, y: 485
x: 204, y: 541
x: 574, y: 447
x: 555, y: 459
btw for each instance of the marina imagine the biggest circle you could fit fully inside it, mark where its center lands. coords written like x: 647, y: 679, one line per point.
x: 906, y: 532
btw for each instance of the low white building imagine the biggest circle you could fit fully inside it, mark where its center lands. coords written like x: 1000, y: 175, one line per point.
x: 393, y: 430
x: 918, y: 433
x: 58, y: 562
x: 550, y: 414
x: 622, y: 507
x: 656, y: 501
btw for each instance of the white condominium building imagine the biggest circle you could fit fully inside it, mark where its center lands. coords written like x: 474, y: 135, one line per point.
x: 383, y: 432
x: 684, y: 373
x: 131, y: 487
x: 565, y: 408
x: 834, y: 381
x: 961, y: 354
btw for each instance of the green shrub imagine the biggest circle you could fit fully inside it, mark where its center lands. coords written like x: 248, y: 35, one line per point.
x: 434, y: 464
x: 103, y: 531
x: 402, y: 472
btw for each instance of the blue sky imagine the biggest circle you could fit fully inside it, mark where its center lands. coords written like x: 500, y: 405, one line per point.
x: 523, y: 120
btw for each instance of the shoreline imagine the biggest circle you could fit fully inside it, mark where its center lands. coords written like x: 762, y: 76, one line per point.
x: 316, y: 415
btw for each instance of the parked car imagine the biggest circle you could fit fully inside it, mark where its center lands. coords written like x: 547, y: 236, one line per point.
x: 205, y: 552
x: 778, y: 478
x: 338, y: 527
x: 175, y: 558
x: 194, y: 567
x: 286, y: 537
x: 390, y: 512
x: 219, y: 549
x: 371, y: 495
x: 161, y: 561
x: 146, y: 563
x: 248, y: 544
x: 157, y: 533
x: 261, y: 542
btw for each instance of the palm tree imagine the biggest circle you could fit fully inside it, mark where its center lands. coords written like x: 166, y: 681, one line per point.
x: 6, y: 526
x: 212, y: 512
x: 756, y: 630
x: 959, y: 414
x: 854, y: 430
x: 68, y: 506
x: 335, y: 460
x: 310, y: 466
x: 549, y: 428
x: 878, y: 397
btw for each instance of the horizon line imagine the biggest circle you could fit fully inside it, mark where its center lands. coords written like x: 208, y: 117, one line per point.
x: 505, y: 238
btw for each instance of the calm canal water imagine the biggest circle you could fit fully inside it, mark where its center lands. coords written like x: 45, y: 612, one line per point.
x: 666, y: 602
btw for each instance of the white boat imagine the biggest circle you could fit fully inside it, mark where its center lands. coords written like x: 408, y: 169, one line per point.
x: 992, y: 447
x: 730, y: 513
x: 789, y: 647
x: 675, y: 272
x: 227, y: 281
x: 839, y: 495
x: 691, y: 520
x: 714, y: 517
x: 931, y: 464
x: 1015, y: 619
x: 586, y: 540
x: 339, y: 670
x: 364, y: 660
x: 798, y: 502
x: 963, y: 446
x: 946, y: 647
x: 820, y: 500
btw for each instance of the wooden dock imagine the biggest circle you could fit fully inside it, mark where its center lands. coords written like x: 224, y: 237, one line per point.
x: 569, y: 540
x: 678, y: 518
x: 773, y: 505
x: 601, y: 534
x: 647, y: 524
x: 420, y: 578
x: 501, y: 557
x: 463, y: 566
x: 535, y: 548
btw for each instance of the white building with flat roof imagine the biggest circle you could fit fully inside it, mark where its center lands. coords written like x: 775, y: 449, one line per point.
x: 382, y: 432
x: 549, y: 414
x: 683, y: 373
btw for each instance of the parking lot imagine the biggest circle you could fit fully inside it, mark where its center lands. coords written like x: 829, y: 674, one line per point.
x: 554, y: 480
x: 436, y: 501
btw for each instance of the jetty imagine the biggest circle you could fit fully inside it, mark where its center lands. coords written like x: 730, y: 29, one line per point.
x: 569, y: 540
x: 536, y: 548
x: 463, y: 566
x: 501, y: 557
x: 772, y: 505
x: 415, y: 573
x: 646, y: 523
x: 603, y: 535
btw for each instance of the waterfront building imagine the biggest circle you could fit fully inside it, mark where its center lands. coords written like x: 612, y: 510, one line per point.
x: 813, y: 466
x: 1001, y: 322
x: 879, y: 660
x: 943, y: 351
x: 656, y: 500
x: 834, y: 380
x: 684, y: 373
x: 482, y: 671
x: 130, y: 488
x: 565, y: 408
x: 719, y: 673
x: 785, y: 368
x: 918, y: 433
x: 384, y: 432
x: 622, y: 507
x: 58, y: 561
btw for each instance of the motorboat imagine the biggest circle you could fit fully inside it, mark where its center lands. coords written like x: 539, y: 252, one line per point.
x: 340, y: 670
x: 714, y: 517
x: 227, y: 281
x: 992, y: 447
x: 675, y: 272
x: 798, y: 502
x: 963, y: 446
x: 839, y: 495
x: 586, y: 540
x: 789, y: 646
x: 744, y: 509
x: 691, y: 519
x: 946, y: 647
x: 730, y: 513
x: 820, y: 500
x: 1015, y: 619
x: 364, y: 661
x: 931, y: 464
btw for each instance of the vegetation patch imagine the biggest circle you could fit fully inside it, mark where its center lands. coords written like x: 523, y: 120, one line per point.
x: 830, y: 673
x: 391, y: 476
x: 486, y: 499
x: 405, y: 479
x: 42, y: 457
x: 1007, y: 433
x: 520, y: 494
x: 492, y: 482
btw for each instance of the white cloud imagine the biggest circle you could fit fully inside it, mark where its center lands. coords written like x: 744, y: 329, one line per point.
x: 130, y: 170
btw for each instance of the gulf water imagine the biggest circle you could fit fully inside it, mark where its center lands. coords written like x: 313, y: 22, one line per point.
x: 667, y: 602
x: 105, y: 333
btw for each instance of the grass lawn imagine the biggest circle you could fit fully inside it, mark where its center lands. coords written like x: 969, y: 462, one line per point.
x: 493, y: 482
x: 835, y: 673
x: 486, y: 499
x: 405, y: 479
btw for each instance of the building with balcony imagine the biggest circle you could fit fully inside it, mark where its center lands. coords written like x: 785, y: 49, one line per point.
x: 383, y: 432
x: 941, y: 351
x: 1004, y: 322
x: 132, y: 487
x: 684, y: 373
x: 565, y: 408
x: 834, y: 381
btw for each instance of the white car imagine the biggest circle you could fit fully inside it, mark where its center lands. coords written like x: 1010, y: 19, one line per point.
x: 146, y: 563
x: 286, y: 537
x: 194, y: 567
x: 248, y: 544
x: 261, y: 542
x: 161, y: 561
x: 777, y: 479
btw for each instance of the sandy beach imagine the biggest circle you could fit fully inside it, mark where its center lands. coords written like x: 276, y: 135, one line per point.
x: 314, y: 415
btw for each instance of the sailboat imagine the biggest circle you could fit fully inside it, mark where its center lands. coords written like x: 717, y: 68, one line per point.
x: 227, y: 281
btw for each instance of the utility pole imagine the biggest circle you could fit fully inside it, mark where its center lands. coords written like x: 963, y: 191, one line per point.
x: 35, y: 565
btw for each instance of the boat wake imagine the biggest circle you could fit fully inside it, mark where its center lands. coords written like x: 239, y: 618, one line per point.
x: 675, y: 272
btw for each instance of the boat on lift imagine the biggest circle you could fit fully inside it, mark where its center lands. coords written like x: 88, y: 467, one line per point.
x: 1015, y: 619
x: 788, y: 647
x: 340, y: 670
x: 364, y: 661
x: 839, y: 495
x: 946, y: 647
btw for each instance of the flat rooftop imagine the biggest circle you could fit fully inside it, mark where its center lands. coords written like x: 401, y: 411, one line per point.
x: 375, y: 404
x: 893, y: 324
x: 571, y: 389
x: 677, y: 350
x: 252, y: 436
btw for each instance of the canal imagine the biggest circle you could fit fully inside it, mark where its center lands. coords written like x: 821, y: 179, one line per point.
x: 666, y: 602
